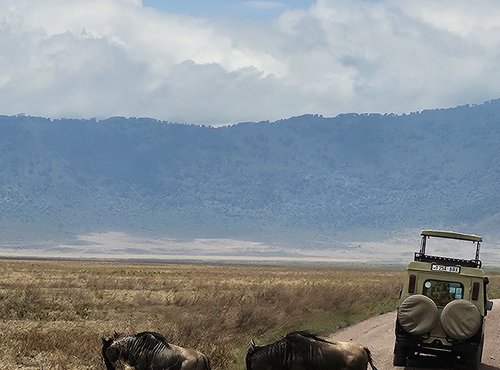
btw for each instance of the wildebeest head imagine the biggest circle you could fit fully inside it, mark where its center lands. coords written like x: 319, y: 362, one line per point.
x: 265, y: 357
x: 110, y: 353
x: 252, y: 349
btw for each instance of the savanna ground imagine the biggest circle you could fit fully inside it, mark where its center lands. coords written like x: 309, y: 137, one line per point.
x: 54, y: 313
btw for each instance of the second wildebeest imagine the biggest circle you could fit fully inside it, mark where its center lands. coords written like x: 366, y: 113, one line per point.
x: 150, y: 351
x: 305, y: 351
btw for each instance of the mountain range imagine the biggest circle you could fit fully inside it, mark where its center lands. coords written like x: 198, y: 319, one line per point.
x: 306, y: 181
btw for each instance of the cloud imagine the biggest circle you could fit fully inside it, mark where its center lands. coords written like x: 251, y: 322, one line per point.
x: 115, y: 57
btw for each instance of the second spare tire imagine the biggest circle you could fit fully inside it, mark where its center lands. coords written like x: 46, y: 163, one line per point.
x: 461, y: 319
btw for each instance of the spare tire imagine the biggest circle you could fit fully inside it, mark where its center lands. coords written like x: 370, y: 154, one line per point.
x: 418, y: 314
x: 461, y: 319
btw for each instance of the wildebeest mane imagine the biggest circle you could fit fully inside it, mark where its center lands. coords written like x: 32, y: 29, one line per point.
x: 150, y: 342
x: 302, y: 344
x: 305, y: 334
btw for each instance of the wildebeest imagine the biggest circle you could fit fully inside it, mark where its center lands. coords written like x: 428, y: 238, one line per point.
x: 150, y: 351
x: 301, y: 350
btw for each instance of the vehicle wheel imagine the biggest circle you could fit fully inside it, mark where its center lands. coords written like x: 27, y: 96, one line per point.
x: 400, y: 355
x: 474, y: 361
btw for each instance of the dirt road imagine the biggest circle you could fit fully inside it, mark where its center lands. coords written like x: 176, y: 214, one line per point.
x: 378, y: 334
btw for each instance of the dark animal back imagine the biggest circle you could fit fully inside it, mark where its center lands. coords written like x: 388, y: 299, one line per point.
x: 305, y: 334
x: 157, y: 336
x: 306, y: 350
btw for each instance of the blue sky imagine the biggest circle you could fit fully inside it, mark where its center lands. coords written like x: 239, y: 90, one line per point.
x: 221, y: 62
x: 262, y: 10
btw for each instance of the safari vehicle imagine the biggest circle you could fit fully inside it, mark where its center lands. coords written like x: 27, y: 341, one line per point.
x: 442, y: 305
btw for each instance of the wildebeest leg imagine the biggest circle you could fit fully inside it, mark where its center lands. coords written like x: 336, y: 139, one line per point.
x: 177, y: 365
x: 370, y: 360
x: 205, y: 363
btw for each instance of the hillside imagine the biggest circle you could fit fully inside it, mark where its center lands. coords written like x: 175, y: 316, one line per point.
x: 306, y: 179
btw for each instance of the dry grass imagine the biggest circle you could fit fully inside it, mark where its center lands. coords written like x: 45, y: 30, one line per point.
x: 54, y: 313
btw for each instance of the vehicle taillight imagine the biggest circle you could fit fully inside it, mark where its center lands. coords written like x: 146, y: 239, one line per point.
x: 412, y: 283
x: 475, y: 291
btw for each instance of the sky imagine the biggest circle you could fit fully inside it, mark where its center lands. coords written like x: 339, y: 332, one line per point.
x: 221, y: 62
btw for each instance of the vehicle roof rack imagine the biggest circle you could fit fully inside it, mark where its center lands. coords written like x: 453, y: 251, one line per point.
x: 447, y: 260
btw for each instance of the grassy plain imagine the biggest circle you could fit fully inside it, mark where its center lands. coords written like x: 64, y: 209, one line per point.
x: 53, y: 313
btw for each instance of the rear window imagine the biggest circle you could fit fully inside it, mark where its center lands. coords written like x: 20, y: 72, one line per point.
x: 443, y: 292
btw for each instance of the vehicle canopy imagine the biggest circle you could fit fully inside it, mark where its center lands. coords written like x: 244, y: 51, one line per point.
x: 426, y: 234
x: 451, y: 235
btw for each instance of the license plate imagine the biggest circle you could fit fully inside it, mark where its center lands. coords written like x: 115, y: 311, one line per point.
x: 443, y: 268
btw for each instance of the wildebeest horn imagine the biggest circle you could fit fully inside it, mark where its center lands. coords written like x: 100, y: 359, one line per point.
x: 106, y: 341
x: 252, y: 344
